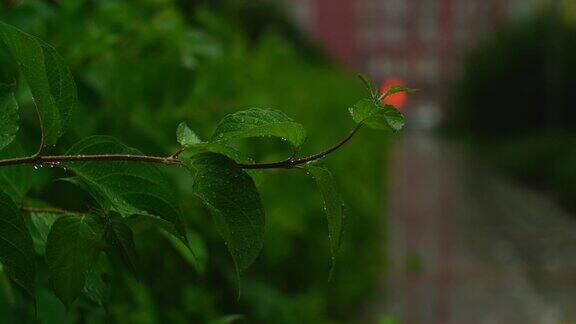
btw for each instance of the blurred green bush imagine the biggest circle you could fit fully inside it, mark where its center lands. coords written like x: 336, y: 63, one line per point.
x: 140, y: 70
x: 515, y: 102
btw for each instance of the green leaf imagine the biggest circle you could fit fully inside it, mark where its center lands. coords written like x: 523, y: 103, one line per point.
x: 15, y: 180
x: 96, y: 288
x: 375, y: 116
x: 120, y: 239
x: 72, y: 249
x: 234, y: 154
x: 186, y: 136
x: 393, y: 117
x: 332, y: 205
x: 40, y: 225
x: 195, y: 254
x: 367, y: 84
x: 395, y: 89
x: 48, y: 77
x: 232, y: 198
x: 127, y: 187
x: 16, y: 248
x: 258, y: 123
x: 8, y: 117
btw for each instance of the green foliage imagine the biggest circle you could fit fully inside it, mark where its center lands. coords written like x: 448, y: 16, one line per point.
x: 333, y: 205
x: 15, y: 180
x: 374, y: 115
x: 514, y: 102
x: 8, y: 118
x: 40, y: 225
x: 72, y: 249
x: 48, y: 77
x: 185, y: 136
x: 260, y: 122
x: 128, y: 188
x: 518, y: 81
x: 16, y: 249
x: 121, y: 240
x: 231, y: 196
x: 118, y: 67
x: 393, y: 90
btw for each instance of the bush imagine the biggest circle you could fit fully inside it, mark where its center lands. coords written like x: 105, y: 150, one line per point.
x: 140, y: 70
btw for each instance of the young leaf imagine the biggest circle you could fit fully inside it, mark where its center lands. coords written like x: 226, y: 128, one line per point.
x: 16, y: 248
x: 375, y: 116
x: 72, y: 249
x: 120, y: 238
x: 15, y: 180
x: 395, y: 89
x: 332, y: 205
x: 8, y: 117
x: 232, y: 198
x: 186, y: 136
x: 367, y: 84
x: 48, y: 77
x: 258, y: 123
x: 127, y: 187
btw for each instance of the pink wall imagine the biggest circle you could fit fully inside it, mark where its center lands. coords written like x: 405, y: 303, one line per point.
x: 334, y: 22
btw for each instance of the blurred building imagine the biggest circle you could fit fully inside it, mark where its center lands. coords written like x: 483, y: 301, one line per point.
x: 420, y: 41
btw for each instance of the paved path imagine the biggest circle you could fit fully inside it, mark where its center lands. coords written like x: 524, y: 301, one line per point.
x: 470, y: 247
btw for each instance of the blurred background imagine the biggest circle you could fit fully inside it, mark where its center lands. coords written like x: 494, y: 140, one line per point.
x: 466, y: 216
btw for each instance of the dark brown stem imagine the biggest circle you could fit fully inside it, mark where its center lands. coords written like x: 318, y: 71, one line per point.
x: 48, y: 159
x: 290, y: 163
x: 171, y: 160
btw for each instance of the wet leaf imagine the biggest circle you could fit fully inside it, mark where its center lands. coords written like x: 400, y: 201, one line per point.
x: 232, y: 198
x: 186, y: 136
x: 257, y: 123
x: 375, y: 116
x: 333, y: 205
x: 48, y: 77
x: 127, y: 187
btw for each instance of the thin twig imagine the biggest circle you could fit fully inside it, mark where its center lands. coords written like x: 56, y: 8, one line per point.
x: 177, y: 153
x: 291, y: 163
x: 173, y: 159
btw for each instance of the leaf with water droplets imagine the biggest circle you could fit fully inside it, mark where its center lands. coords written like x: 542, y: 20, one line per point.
x: 186, y: 136
x: 375, y: 116
x: 258, y: 123
x: 127, y: 187
x: 48, y: 77
x: 332, y: 204
x: 232, y: 198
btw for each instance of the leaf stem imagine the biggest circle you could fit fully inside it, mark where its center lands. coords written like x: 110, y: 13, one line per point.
x: 172, y: 159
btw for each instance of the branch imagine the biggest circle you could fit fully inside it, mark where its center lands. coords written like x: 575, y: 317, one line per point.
x: 173, y: 159
x: 291, y: 163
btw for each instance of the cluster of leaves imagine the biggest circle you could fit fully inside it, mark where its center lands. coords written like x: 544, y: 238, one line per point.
x: 128, y: 188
